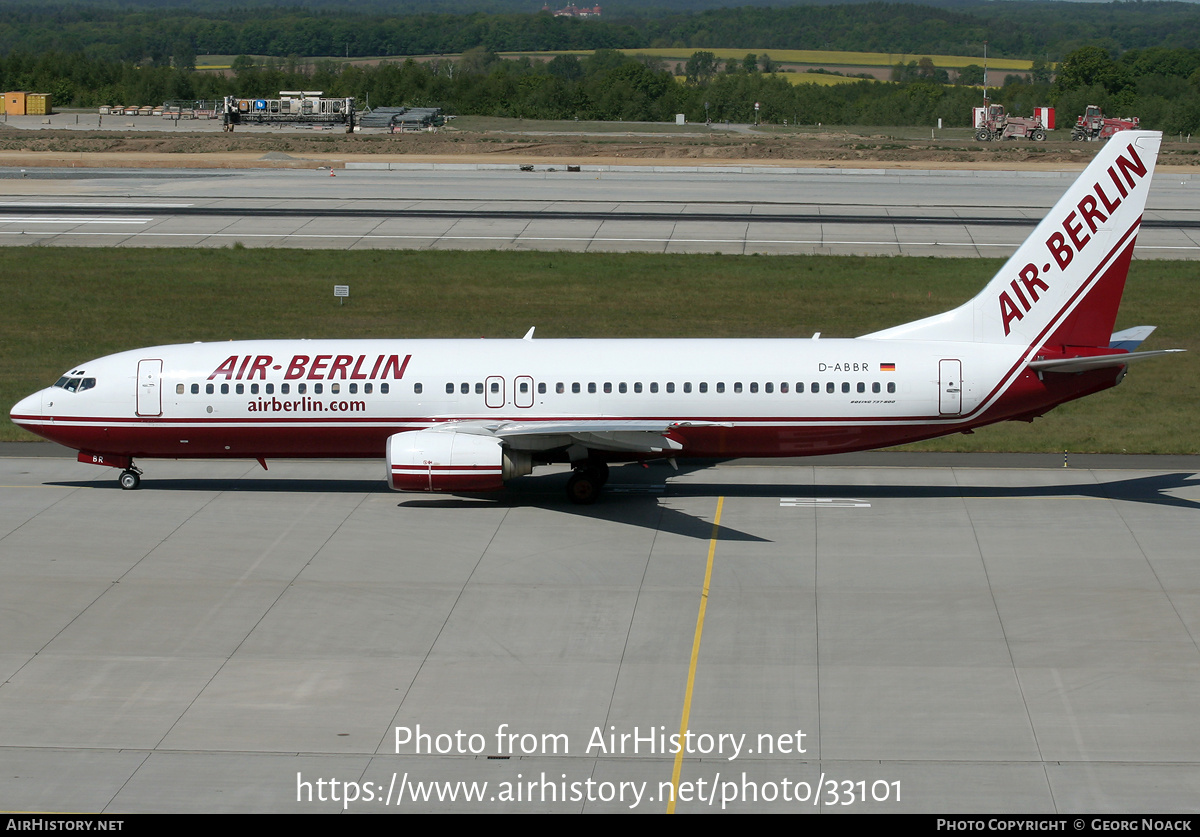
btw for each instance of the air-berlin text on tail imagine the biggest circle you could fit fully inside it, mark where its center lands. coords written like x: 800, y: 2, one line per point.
x: 313, y: 368
x: 1105, y: 196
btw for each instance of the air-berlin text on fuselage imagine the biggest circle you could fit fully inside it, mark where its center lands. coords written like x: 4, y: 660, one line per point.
x: 314, y: 367
x: 1089, y: 212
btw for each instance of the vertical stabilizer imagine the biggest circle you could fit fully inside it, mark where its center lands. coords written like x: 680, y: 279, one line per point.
x: 1063, y: 285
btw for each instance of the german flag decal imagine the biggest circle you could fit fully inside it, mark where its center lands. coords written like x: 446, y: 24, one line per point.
x: 887, y: 367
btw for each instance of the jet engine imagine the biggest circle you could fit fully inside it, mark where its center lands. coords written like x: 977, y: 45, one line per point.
x: 446, y: 460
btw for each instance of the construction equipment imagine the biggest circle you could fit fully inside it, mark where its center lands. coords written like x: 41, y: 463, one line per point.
x: 1094, y: 125
x: 296, y: 107
x: 992, y: 123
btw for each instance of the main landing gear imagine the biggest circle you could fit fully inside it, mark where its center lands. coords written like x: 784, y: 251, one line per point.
x: 584, y: 485
x: 130, y: 478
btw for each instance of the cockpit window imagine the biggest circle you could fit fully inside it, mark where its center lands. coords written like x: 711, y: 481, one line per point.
x: 75, y: 384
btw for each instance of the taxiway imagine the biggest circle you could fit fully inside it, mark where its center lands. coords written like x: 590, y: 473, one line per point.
x: 973, y: 634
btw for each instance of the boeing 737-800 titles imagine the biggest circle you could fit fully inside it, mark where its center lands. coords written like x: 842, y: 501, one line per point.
x: 466, y: 415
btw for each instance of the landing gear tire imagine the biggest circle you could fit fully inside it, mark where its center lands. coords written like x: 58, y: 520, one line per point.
x: 583, y: 488
x: 129, y: 480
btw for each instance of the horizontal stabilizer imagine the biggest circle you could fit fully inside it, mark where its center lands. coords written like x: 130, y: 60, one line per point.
x: 1082, y: 364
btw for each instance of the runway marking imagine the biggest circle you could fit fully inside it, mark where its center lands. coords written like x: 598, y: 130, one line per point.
x: 691, y: 678
x: 823, y: 503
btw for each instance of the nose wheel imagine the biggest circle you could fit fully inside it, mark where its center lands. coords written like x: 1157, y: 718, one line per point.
x: 130, y: 478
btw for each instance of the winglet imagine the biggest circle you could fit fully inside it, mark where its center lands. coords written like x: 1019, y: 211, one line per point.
x: 1130, y: 338
x: 529, y: 334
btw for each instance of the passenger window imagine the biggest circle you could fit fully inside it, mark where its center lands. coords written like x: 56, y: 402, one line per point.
x: 637, y: 387
x: 845, y: 386
x: 240, y: 389
x: 592, y: 387
x: 891, y: 386
x: 541, y: 389
x: 862, y: 387
x: 875, y: 387
x: 782, y: 387
x: 478, y: 388
x: 495, y: 387
x: 737, y: 387
x: 417, y: 388
x: 179, y: 389
x: 301, y: 389
x: 335, y: 388
x: 704, y: 386
x: 670, y: 386
x: 769, y: 387
x: 285, y: 389
x: 270, y: 389
x: 622, y: 387
x: 654, y: 386
x: 464, y: 388
x: 754, y: 386
x: 367, y: 388
x: 560, y: 387
x: 354, y: 388
x: 687, y: 386
x: 384, y: 389
x: 575, y: 387
x: 318, y: 388
x: 829, y: 387
x: 524, y: 387
x: 720, y: 386
x: 608, y: 386
x: 209, y: 389
x: 195, y: 389
x: 254, y: 389
x: 449, y: 389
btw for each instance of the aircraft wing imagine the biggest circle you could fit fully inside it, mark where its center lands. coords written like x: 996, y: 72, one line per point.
x: 633, y: 436
x: 1081, y: 364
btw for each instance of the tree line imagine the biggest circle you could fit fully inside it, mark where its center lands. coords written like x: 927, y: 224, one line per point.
x: 1160, y: 85
x: 174, y: 36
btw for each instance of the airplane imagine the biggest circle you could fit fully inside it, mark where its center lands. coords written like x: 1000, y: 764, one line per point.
x: 467, y: 415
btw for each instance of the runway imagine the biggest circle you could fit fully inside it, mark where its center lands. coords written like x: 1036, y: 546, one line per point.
x: 903, y: 633
x: 742, y: 210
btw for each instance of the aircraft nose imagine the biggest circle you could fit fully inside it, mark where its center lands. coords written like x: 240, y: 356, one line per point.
x: 28, y: 406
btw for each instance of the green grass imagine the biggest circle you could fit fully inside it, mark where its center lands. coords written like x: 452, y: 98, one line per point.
x: 64, y: 306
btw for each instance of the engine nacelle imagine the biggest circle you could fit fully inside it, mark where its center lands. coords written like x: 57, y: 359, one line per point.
x: 443, y: 460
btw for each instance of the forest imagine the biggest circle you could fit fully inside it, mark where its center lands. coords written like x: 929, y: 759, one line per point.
x: 164, y: 33
x: 127, y: 62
